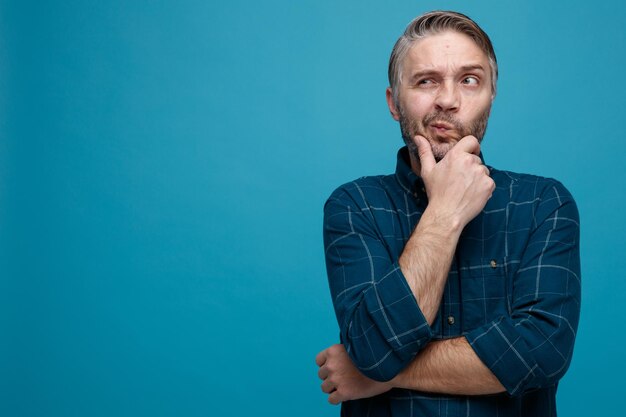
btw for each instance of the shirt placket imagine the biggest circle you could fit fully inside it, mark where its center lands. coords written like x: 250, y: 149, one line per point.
x: 451, y: 319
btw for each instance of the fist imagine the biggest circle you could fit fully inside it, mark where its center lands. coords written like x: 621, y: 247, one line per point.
x: 342, y: 381
x: 459, y: 185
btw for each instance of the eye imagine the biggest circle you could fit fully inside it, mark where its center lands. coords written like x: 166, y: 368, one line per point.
x: 427, y: 82
x: 470, y: 80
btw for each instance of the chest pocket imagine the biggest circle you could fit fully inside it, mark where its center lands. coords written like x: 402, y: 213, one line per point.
x: 485, y: 291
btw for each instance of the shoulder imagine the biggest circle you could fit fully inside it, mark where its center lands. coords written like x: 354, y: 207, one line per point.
x: 544, y: 193
x: 362, y: 192
x: 533, y: 185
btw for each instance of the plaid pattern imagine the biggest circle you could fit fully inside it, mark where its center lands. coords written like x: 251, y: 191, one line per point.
x: 513, y: 290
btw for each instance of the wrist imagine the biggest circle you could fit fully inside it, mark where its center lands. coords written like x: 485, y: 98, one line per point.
x: 437, y: 221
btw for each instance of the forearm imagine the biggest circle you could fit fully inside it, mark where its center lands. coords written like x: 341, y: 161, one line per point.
x: 449, y: 367
x: 426, y: 259
x: 446, y: 367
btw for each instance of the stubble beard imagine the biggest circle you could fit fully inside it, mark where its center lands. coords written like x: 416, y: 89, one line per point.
x: 440, y: 145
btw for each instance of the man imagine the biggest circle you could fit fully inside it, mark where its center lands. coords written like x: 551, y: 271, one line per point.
x: 456, y: 286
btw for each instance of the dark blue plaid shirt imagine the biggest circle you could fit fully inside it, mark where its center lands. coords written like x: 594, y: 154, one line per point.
x: 513, y: 290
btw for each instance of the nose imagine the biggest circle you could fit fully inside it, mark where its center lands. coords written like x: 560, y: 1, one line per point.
x: 447, y: 97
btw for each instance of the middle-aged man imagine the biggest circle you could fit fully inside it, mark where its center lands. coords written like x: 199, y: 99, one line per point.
x: 456, y: 285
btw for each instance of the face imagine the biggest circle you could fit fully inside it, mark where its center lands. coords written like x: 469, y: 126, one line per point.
x: 445, y: 92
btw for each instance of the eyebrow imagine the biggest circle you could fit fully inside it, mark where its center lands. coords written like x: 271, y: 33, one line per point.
x: 462, y: 68
x: 472, y: 67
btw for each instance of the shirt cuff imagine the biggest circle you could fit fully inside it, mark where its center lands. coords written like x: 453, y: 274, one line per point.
x: 399, y: 329
x: 505, y: 353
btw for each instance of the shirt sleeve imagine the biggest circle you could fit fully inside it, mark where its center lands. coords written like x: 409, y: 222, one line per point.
x: 382, y: 327
x: 532, y: 346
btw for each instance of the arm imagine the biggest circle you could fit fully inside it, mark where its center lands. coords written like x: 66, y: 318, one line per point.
x: 385, y: 307
x: 448, y: 366
x: 531, y: 348
x: 458, y: 188
x: 381, y: 324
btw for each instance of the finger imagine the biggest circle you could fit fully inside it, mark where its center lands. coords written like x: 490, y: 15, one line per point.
x: 425, y: 152
x: 334, y: 398
x: 328, y: 386
x: 320, y: 359
x: 323, y: 372
x: 477, y: 159
x: 469, y: 144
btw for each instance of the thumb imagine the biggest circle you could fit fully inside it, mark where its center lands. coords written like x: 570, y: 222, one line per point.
x: 425, y: 152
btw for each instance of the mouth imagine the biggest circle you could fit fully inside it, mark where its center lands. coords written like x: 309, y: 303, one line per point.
x: 441, y: 126
x: 444, y: 130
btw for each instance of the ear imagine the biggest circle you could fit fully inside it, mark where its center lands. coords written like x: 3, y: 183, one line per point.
x: 392, y: 106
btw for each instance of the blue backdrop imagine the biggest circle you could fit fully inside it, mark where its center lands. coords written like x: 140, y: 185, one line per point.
x: 163, y: 166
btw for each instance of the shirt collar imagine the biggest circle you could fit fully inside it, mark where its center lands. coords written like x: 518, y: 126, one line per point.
x: 409, y: 180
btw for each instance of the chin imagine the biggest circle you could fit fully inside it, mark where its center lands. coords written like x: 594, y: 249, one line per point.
x: 440, y: 149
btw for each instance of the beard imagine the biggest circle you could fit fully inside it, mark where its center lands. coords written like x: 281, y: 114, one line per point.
x: 441, y: 144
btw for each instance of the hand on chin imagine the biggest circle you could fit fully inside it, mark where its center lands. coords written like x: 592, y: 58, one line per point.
x: 440, y: 145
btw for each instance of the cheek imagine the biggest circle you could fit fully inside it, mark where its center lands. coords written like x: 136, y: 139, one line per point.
x: 418, y: 107
x: 476, y: 108
x: 477, y: 103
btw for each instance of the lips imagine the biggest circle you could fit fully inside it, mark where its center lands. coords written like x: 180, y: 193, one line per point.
x: 444, y: 131
x: 442, y: 126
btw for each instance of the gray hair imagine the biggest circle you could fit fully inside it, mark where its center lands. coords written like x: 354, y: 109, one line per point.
x: 432, y: 23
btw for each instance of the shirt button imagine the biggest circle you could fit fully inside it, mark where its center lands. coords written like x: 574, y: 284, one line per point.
x: 493, y: 263
x: 450, y: 320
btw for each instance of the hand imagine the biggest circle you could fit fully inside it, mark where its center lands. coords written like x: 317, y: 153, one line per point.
x: 342, y: 380
x: 459, y: 186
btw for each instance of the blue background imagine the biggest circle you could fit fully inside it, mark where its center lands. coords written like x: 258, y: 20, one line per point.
x: 163, y: 166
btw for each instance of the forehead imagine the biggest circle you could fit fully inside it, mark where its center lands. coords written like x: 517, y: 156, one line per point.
x: 444, y: 51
